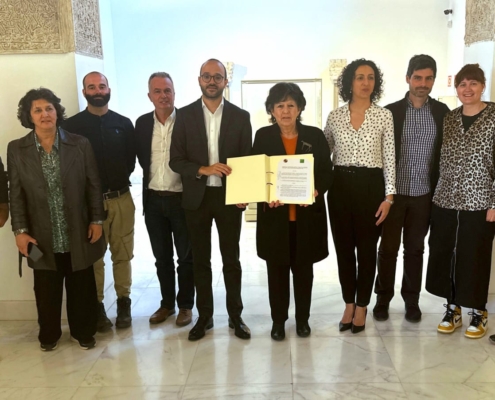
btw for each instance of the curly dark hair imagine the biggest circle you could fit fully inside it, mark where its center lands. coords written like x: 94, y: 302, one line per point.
x: 24, y: 107
x: 281, y: 92
x: 346, y: 78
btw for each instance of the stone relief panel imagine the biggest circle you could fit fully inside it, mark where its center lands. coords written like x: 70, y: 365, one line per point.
x: 480, y: 21
x: 87, y: 32
x: 31, y: 26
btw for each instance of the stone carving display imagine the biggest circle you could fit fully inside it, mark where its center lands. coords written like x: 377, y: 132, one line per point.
x: 480, y: 21
x: 50, y: 26
x: 87, y: 31
x: 336, y: 66
x: 229, y: 66
x: 33, y: 26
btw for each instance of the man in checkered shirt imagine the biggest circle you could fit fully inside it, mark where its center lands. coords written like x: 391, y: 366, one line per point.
x: 418, y: 122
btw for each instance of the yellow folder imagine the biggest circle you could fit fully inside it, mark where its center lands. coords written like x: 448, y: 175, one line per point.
x: 289, y: 179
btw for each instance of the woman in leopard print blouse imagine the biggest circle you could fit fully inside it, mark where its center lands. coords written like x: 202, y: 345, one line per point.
x: 462, y: 228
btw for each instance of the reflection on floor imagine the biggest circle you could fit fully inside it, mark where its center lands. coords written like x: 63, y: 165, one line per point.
x: 390, y: 360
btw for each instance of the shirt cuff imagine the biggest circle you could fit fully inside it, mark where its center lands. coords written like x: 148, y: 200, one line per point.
x: 96, y: 222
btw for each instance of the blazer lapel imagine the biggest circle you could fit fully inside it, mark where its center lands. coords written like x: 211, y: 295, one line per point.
x: 226, y: 114
x: 31, y: 157
x: 68, y: 153
x: 200, y: 122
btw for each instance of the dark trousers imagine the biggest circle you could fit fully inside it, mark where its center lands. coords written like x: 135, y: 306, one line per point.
x: 409, y: 216
x: 353, y: 200
x: 228, y: 222
x: 80, y: 288
x: 279, y: 285
x: 166, y: 224
x: 459, y: 263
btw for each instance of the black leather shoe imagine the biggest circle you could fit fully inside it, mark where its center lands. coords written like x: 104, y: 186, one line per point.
x: 413, y: 313
x: 303, y: 329
x: 241, y: 330
x: 278, y: 332
x: 199, y: 330
x: 359, y: 328
x: 380, y: 312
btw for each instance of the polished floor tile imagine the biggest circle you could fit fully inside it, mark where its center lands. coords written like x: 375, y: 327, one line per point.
x: 349, y: 391
x: 349, y: 359
x: 236, y: 361
x: 134, y: 362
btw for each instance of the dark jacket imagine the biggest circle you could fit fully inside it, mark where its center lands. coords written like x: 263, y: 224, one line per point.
x: 272, y: 230
x: 112, y: 138
x: 83, y: 200
x: 438, y: 110
x: 189, y: 149
x: 4, y: 189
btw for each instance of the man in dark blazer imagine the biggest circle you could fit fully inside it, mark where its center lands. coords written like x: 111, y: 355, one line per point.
x: 205, y: 134
x: 418, y: 128
x: 162, y: 195
x: 4, y: 196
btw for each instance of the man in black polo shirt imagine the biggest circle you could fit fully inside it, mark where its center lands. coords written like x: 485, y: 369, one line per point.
x: 112, y: 138
x: 4, y: 196
x: 418, y: 127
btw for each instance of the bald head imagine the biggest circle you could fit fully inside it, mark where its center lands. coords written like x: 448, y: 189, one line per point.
x: 214, y: 60
x: 94, y: 73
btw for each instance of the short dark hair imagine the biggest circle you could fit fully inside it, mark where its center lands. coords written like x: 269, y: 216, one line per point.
x: 218, y: 61
x: 421, y: 61
x: 164, y: 75
x: 24, y: 107
x: 471, y: 72
x: 281, y: 92
x: 346, y: 77
x: 91, y: 73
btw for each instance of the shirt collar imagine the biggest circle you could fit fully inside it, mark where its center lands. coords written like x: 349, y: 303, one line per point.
x: 410, y: 104
x: 38, y: 144
x: 347, y: 108
x: 220, y: 107
x: 170, y: 118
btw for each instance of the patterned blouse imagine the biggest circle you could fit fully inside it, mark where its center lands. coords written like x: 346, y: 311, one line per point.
x: 50, y: 164
x: 371, y: 146
x: 467, y: 172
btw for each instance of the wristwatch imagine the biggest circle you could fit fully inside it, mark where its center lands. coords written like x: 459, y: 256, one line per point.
x: 389, y: 201
x: 19, y: 231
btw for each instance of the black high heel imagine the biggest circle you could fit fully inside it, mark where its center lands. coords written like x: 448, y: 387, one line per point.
x: 346, y: 326
x: 359, y: 328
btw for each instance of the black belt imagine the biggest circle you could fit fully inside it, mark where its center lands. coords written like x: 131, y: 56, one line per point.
x: 115, y: 194
x: 360, y: 171
x: 163, y: 193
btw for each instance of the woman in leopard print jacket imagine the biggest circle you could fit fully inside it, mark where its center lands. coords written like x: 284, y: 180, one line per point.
x: 462, y: 228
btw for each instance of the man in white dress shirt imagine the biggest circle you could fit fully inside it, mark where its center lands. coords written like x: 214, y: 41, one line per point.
x: 162, y: 196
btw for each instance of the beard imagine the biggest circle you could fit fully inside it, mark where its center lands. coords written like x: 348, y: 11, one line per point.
x: 98, y: 100
x: 210, y: 95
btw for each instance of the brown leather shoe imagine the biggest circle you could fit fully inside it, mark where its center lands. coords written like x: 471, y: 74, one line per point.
x: 161, y: 315
x: 184, y: 318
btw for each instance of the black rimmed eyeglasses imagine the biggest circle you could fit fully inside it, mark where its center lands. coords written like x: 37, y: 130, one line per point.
x: 217, y: 78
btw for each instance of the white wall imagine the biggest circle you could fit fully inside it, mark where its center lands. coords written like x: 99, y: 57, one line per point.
x: 278, y: 39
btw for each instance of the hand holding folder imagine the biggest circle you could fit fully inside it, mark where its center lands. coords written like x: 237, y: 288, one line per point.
x: 288, y: 179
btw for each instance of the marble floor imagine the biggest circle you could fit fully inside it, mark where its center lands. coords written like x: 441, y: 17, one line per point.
x: 390, y: 360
